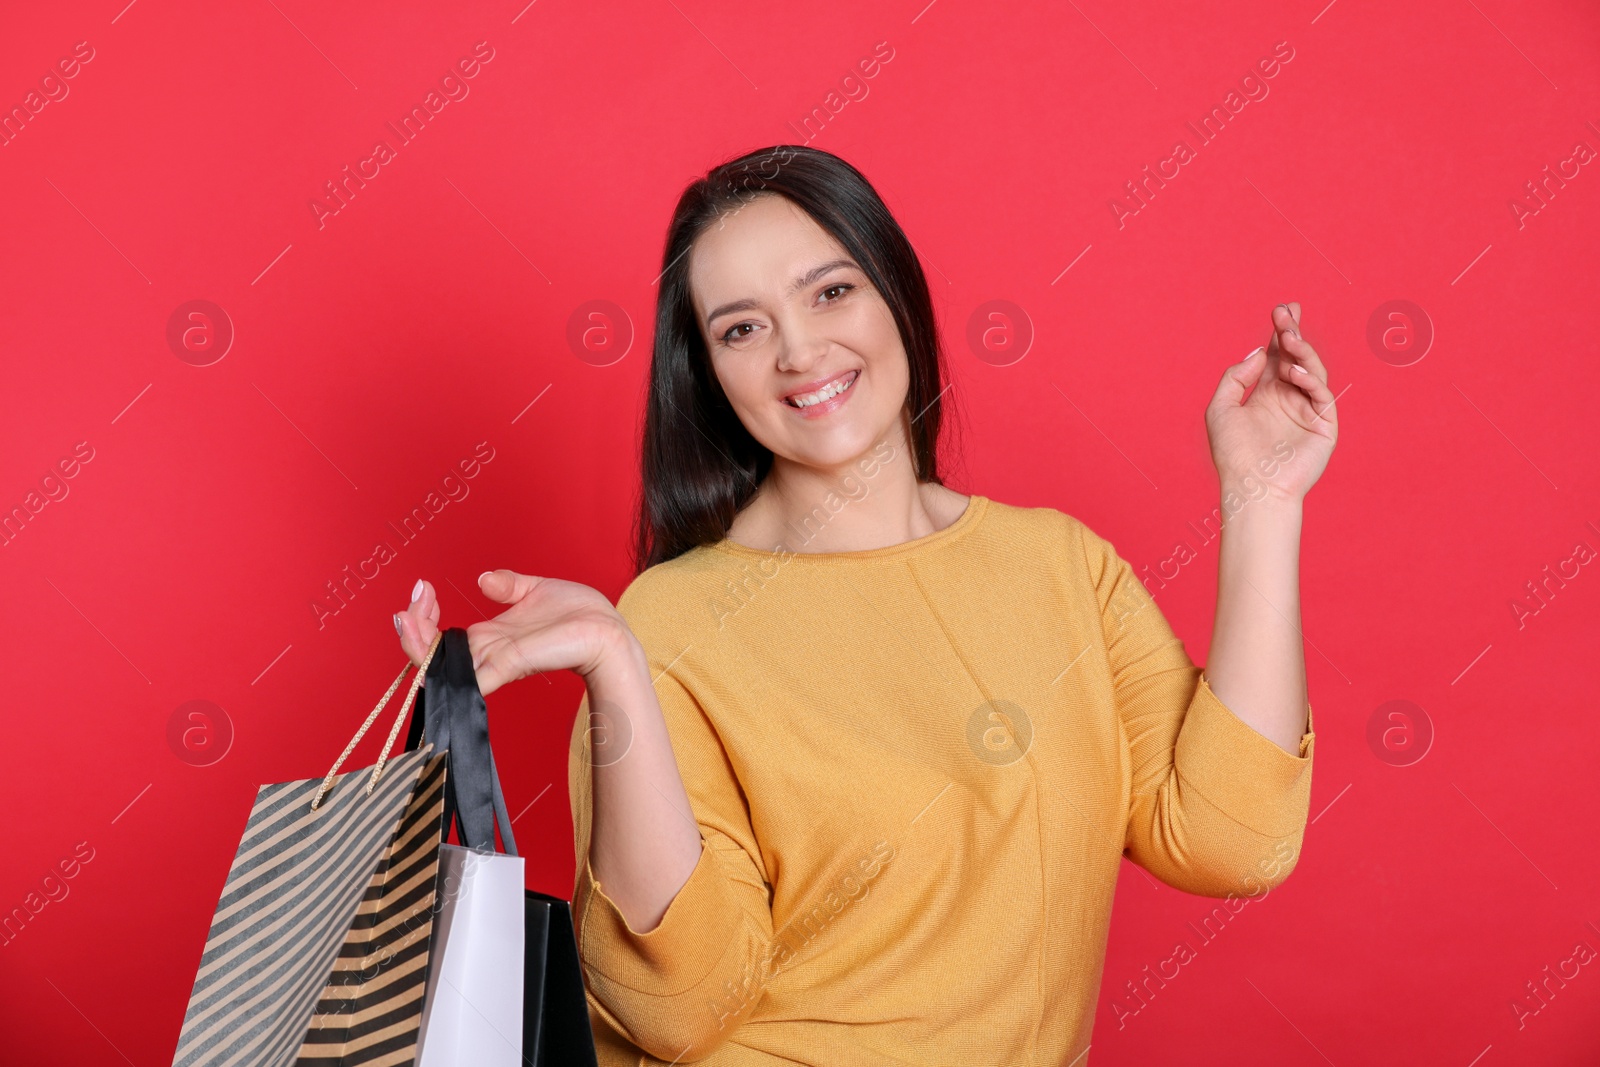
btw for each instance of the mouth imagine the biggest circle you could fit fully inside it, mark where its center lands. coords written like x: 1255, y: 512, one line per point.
x: 827, y: 392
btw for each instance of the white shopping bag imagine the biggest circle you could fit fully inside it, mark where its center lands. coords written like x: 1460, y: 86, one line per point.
x: 472, y: 1009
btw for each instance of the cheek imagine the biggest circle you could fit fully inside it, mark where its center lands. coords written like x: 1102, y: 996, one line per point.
x: 884, y: 353
x: 742, y: 383
x: 873, y: 334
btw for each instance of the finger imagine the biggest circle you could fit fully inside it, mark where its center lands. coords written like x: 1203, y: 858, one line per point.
x: 422, y: 598
x: 422, y: 601
x: 492, y: 653
x: 506, y: 586
x: 1301, y: 353
x: 489, y: 674
x: 1274, y: 351
x: 499, y: 658
x: 1284, y: 328
x: 1286, y: 320
x: 1237, y: 379
x: 1316, y: 391
x: 426, y: 609
x: 419, y: 623
x: 416, y: 634
x: 484, y: 638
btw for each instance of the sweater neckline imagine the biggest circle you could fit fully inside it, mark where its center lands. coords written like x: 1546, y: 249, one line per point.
x: 969, y: 518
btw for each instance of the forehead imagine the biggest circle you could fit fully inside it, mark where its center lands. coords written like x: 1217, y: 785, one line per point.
x: 760, y: 247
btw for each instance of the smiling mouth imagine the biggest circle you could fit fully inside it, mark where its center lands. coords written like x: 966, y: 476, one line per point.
x: 827, y: 392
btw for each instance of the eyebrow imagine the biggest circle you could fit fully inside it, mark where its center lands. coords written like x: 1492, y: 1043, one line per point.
x: 799, y: 283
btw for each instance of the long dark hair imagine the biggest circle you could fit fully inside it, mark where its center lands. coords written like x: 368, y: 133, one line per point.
x: 700, y: 465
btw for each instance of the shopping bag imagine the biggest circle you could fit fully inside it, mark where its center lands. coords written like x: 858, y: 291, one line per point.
x: 473, y: 1012
x: 555, y: 1019
x: 317, y: 951
x: 527, y: 950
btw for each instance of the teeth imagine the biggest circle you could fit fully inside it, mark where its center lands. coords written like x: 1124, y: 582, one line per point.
x: 825, y: 393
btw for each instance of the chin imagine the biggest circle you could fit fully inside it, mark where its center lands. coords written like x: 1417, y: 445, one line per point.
x: 841, y: 450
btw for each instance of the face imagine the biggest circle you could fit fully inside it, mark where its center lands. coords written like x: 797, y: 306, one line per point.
x: 789, y: 318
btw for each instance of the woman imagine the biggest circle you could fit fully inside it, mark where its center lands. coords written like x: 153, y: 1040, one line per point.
x: 859, y: 755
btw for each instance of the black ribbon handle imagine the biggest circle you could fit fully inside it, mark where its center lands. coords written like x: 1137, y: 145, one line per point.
x: 451, y: 715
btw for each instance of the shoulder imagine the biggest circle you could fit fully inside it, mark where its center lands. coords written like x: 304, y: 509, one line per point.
x: 671, y: 602
x: 1046, y: 527
x: 658, y: 589
x: 1047, y: 533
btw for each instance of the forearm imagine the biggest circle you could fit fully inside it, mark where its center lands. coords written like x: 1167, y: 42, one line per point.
x: 644, y: 841
x: 1257, y: 662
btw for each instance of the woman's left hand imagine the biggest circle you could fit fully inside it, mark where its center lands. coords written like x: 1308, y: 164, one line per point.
x: 1291, y: 406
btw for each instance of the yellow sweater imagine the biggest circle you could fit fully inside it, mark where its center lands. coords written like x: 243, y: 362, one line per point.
x: 915, y: 771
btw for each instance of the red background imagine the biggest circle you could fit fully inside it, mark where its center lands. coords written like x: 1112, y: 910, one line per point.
x: 374, y: 352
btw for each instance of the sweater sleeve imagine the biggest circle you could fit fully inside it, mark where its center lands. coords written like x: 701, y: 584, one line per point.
x: 678, y: 990
x: 1217, y: 808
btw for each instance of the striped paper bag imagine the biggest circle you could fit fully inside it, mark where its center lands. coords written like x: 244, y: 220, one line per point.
x: 319, y: 945
x: 371, y: 1009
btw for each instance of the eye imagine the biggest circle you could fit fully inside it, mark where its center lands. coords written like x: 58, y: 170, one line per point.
x: 729, y: 337
x: 732, y: 334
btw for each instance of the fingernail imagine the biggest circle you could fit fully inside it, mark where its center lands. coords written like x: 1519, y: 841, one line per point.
x: 416, y: 591
x: 1253, y: 351
x: 1301, y: 369
x: 480, y: 577
x: 397, y: 629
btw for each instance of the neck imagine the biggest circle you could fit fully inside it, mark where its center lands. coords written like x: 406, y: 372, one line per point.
x: 873, y: 501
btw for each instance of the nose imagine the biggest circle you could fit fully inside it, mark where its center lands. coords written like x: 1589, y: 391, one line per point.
x: 801, y: 348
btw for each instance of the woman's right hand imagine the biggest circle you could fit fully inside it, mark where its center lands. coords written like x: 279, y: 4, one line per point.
x: 550, y: 624
x: 642, y: 845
